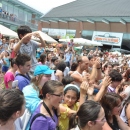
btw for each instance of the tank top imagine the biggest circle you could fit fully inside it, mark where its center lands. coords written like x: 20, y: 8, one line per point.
x: 77, y: 83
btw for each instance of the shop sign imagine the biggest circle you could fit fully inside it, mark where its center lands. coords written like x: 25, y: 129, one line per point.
x: 108, y: 38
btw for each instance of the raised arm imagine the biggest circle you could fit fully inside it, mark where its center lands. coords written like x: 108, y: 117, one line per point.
x: 24, y: 40
x: 106, y: 82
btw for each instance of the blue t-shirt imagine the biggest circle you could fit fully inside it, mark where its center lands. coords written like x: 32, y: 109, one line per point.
x: 42, y: 123
x: 32, y: 99
x: 6, y: 59
x: 22, y: 81
x: 68, y: 57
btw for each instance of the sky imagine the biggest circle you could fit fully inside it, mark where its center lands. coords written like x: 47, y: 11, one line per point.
x: 45, y: 5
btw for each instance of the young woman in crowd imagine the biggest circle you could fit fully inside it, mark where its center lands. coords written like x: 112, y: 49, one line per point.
x: 59, y: 73
x: 10, y: 74
x: 69, y: 105
x: 12, y: 106
x: 5, y: 59
x: 73, y: 68
x: 42, y: 59
x: 48, y: 62
x: 90, y: 116
x: 52, y: 92
x: 42, y: 73
x: 111, y: 102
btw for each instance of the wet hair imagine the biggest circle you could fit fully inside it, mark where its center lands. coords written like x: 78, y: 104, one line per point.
x: 11, y: 101
x: 67, y: 80
x: 50, y: 87
x: 61, y: 66
x: 88, y: 111
x: 23, y: 30
x: 12, y: 61
x: 108, y: 102
x: 74, y: 89
x: 53, y: 59
x: 115, y: 76
x: 74, y: 66
x: 21, y: 59
x: 42, y: 58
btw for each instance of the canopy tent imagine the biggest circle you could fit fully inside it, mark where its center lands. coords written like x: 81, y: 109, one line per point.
x: 82, y: 41
x: 116, y: 52
x: 79, y: 47
x: 7, y: 32
x: 45, y: 37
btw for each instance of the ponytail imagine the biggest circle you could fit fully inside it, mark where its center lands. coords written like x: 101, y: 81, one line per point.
x: 73, y: 121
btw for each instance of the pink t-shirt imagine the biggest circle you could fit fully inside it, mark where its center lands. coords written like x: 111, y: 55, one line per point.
x: 9, y: 76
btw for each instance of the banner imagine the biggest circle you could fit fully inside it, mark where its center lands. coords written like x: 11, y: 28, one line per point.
x: 60, y: 33
x: 108, y: 38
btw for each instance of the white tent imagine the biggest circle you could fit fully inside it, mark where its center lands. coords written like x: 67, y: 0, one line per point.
x: 45, y: 37
x: 6, y: 31
x: 82, y: 41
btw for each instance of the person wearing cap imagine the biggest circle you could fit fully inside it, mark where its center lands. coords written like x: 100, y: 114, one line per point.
x: 42, y: 73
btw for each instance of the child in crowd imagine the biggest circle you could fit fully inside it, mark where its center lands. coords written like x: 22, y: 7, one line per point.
x: 5, y: 56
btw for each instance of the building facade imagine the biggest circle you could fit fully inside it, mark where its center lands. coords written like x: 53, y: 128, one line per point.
x: 88, y: 17
x: 14, y: 13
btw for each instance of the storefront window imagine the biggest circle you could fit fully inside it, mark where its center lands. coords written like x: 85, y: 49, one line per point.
x: 29, y: 17
x: 4, y: 6
x: 126, y: 41
x: 10, y: 9
x: 21, y: 14
x: 87, y: 34
x: 16, y: 11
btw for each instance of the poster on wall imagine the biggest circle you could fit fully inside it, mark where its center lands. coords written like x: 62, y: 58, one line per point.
x: 57, y: 32
x: 60, y: 33
x: 108, y: 38
x: 0, y: 5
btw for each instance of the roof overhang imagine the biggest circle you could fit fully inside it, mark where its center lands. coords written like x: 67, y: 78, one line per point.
x: 89, y: 19
x: 17, y: 3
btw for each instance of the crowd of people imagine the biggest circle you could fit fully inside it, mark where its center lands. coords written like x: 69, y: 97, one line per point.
x: 48, y: 88
x: 7, y: 15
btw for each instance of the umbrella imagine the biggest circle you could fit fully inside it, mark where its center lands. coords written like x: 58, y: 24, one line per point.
x: 45, y: 37
x: 82, y: 41
x: 7, y: 32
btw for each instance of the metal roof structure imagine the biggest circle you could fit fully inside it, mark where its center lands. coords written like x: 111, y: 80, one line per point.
x: 91, y: 11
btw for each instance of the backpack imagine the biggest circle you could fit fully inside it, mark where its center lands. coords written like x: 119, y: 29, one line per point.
x: 36, y: 116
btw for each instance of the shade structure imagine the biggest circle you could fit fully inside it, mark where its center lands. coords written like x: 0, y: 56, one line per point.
x: 82, y: 41
x: 79, y: 47
x: 116, y: 52
x: 45, y: 37
x: 7, y: 32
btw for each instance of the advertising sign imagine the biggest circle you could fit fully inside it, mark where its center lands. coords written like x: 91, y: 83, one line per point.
x: 108, y: 38
x: 60, y: 33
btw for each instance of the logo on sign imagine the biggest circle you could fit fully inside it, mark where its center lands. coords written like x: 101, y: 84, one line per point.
x: 107, y: 38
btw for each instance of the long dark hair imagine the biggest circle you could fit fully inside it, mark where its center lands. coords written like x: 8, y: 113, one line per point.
x: 88, y: 111
x: 108, y: 102
x: 11, y: 101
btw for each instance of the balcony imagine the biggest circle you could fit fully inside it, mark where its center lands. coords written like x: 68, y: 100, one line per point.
x: 16, y: 21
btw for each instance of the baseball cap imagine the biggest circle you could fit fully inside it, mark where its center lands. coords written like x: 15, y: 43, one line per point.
x: 42, y: 69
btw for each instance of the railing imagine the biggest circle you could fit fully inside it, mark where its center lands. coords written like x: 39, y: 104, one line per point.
x: 18, y: 21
